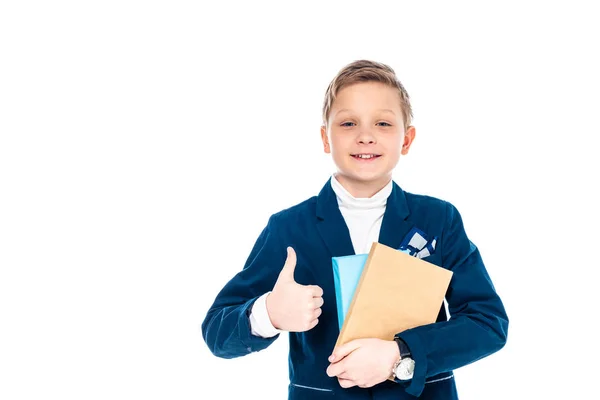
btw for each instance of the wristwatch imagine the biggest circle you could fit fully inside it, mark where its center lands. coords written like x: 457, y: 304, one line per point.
x: 405, y: 366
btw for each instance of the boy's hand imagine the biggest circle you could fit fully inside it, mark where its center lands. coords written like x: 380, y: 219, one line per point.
x: 363, y: 362
x: 293, y: 307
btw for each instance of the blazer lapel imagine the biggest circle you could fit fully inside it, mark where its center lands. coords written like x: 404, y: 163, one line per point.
x: 394, y: 226
x: 331, y: 224
x: 334, y: 231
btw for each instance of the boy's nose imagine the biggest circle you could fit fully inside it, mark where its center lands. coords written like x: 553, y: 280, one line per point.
x: 366, y: 137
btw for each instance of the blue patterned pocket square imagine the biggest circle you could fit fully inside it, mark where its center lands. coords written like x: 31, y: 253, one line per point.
x: 417, y: 244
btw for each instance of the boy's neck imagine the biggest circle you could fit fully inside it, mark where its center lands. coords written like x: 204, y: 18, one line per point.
x: 360, y: 189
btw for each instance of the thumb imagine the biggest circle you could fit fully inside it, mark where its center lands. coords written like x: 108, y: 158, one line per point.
x: 345, y: 349
x: 287, y: 272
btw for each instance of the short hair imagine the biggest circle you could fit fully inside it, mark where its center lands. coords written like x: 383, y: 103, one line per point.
x: 367, y: 71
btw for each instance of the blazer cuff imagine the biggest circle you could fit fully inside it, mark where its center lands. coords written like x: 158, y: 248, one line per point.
x: 249, y: 341
x: 419, y: 355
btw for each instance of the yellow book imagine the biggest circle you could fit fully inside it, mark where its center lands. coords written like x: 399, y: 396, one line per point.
x: 395, y: 292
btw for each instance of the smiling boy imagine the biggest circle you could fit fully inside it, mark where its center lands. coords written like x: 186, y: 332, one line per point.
x: 287, y: 285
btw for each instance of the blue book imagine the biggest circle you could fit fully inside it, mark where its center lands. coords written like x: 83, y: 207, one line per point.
x: 346, y: 274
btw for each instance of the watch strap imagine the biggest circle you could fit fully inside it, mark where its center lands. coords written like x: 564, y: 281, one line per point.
x: 403, y: 347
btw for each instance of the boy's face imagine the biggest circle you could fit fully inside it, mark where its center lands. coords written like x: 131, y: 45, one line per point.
x: 365, y: 135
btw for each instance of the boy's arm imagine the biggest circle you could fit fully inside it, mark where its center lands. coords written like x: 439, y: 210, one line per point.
x: 478, y: 325
x: 226, y: 328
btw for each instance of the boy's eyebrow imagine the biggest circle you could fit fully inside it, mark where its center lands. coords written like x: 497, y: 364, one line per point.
x: 381, y: 109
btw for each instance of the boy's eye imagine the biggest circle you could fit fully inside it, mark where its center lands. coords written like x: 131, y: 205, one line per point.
x: 349, y: 124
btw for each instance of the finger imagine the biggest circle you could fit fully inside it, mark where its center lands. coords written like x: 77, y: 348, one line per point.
x: 318, y: 302
x: 346, y: 383
x: 313, y: 324
x: 316, y: 291
x: 345, y: 375
x: 335, y: 370
x: 345, y: 349
x: 287, y: 272
x: 317, y: 313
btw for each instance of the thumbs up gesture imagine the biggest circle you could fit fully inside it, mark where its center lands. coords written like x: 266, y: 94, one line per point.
x: 293, y: 307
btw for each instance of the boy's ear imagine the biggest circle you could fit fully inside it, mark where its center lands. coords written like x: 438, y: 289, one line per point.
x: 325, y: 139
x: 409, y: 136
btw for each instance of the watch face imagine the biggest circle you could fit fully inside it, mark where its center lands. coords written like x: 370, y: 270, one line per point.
x: 405, y: 369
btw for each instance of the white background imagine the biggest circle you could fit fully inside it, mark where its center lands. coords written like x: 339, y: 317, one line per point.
x: 145, y: 144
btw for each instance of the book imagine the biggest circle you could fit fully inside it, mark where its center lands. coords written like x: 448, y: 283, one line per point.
x: 392, y: 291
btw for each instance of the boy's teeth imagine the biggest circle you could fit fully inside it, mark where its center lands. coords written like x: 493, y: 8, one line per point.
x: 365, y: 156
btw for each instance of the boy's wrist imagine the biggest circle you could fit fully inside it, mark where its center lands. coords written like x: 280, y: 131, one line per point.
x: 394, y: 350
x: 403, y: 368
x: 403, y: 349
x: 269, y: 313
x: 394, y: 354
x: 260, y: 323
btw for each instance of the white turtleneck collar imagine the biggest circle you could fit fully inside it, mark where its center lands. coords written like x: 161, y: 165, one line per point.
x: 346, y: 200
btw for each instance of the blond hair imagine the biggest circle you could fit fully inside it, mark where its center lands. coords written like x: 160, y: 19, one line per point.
x: 367, y: 71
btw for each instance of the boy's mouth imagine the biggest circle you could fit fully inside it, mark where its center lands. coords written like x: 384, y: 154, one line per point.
x: 365, y: 156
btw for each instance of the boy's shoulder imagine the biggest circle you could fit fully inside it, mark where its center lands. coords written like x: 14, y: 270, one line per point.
x: 299, y: 210
x: 426, y: 208
x: 423, y: 200
x: 431, y: 211
x: 306, y: 208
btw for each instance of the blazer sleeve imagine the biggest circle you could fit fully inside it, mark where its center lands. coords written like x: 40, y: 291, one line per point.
x: 226, y: 327
x: 478, y: 324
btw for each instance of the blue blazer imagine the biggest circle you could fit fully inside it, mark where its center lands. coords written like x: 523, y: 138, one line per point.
x: 317, y: 231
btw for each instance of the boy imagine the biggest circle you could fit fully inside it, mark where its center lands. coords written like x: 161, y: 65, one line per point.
x: 287, y: 283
